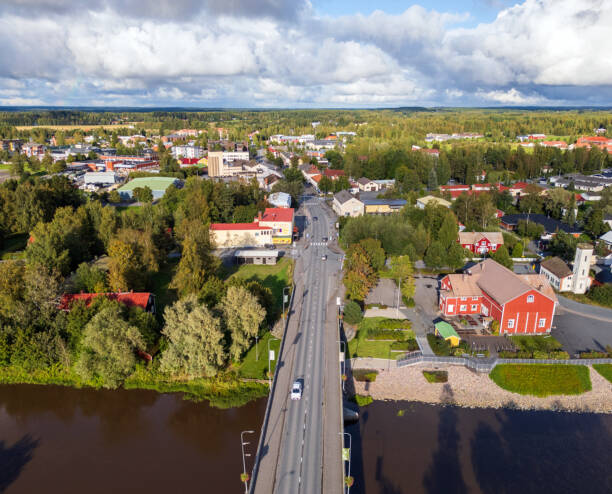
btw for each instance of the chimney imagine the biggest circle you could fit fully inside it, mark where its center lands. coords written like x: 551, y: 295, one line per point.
x: 259, y: 216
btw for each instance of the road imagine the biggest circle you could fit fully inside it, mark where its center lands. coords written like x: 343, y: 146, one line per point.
x: 301, y: 433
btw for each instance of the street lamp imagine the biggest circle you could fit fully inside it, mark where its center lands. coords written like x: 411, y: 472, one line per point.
x: 270, y: 357
x: 342, y: 350
x: 245, y: 477
x: 348, y: 487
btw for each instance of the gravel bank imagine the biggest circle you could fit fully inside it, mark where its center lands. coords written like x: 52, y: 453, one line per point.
x: 469, y: 389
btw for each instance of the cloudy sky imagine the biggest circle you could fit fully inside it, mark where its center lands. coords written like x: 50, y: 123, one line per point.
x: 305, y: 53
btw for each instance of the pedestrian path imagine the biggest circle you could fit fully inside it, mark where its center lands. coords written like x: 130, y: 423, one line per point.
x: 424, y: 344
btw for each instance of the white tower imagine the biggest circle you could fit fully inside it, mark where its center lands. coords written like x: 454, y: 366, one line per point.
x: 582, y: 263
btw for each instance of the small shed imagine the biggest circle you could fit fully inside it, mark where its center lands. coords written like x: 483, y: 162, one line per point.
x: 256, y: 256
x: 446, y: 331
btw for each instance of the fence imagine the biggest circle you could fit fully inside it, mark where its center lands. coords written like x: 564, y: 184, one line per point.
x: 488, y: 364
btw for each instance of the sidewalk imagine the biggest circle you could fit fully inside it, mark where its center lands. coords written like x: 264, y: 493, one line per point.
x: 424, y: 344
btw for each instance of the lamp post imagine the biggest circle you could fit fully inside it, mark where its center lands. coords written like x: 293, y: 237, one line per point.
x: 269, y: 359
x: 244, y: 473
x: 342, y: 350
x: 285, y: 300
x: 348, y: 487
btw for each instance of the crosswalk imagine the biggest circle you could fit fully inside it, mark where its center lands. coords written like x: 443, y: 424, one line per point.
x: 318, y: 243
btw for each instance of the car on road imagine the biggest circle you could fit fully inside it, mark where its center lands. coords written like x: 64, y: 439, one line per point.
x: 324, y: 239
x: 296, y: 390
x: 324, y: 258
x: 315, y: 218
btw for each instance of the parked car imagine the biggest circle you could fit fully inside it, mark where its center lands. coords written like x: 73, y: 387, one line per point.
x: 296, y: 390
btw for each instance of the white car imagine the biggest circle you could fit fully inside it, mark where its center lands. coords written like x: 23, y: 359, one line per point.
x: 296, y: 390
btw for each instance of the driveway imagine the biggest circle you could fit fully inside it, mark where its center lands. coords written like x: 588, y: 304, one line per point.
x: 581, y: 327
x: 385, y: 292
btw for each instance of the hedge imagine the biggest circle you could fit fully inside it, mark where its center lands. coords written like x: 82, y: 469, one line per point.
x: 390, y: 334
x: 362, y: 401
x: 408, y: 346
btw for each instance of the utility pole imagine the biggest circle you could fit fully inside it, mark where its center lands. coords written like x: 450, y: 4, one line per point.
x: 245, y: 476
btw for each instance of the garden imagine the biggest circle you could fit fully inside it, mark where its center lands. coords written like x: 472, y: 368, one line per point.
x: 378, y: 337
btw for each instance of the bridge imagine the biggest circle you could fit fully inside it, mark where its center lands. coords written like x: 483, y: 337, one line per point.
x: 300, y: 448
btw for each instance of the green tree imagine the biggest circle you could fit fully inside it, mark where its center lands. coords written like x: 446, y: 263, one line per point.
x: 502, y: 257
x: 243, y: 315
x: 375, y: 253
x: 401, y: 271
x: 195, y: 340
x: 109, y: 348
x: 89, y: 279
x: 143, y: 194
x: 435, y: 255
x: 448, y: 231
x: 517, y: 250
x: 326, y: 184
x: 352, y: 313
x: 114, y: 196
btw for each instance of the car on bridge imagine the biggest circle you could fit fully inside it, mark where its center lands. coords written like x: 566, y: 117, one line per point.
x: 296, y: 390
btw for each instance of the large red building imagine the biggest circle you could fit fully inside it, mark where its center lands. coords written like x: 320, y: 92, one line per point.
x: 522, y: 304
x: 481, y: 242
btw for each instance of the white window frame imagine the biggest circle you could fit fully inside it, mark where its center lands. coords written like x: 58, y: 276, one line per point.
x: 463, y: 299
x: 450, y: 308
x: 542, y: 322
x: 510, y: 323
x: 474, y: 307
x: 530, y: 299
x: 463, y: 308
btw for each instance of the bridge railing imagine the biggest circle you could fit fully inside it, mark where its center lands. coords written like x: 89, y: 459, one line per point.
x: 264, y: 427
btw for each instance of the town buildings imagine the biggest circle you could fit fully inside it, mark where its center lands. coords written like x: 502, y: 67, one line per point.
x: 281, y: 221
x: 231, y: 235
x: 564, y: 279
x: 422, y: 202
x: 480, y: 242
x: 521, y: 304
x: 345, y: 204
x: 551, y: 226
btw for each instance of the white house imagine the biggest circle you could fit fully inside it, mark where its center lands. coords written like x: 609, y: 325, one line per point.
x: 424, y: 201
x: 344, y: 204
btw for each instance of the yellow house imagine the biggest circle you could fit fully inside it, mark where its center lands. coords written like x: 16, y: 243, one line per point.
x: 383, y: 206
x: 281, y: 220
x: 446, y: 331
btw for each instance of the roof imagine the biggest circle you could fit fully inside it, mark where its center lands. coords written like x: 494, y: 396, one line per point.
x: 363, y: 181
x: 540, y: 283
x: 384, y: 202
x: 556, y: 266
x: 607, y: 237
x: 131, y: 299
x: 238, y: 226
x: 343, y: 196
x: 464, y: 285
x: 278, y: 214
x: 154, y: 183
x: 280, y: 199
x: 500, y: 283
x: 550, y: 225
x: 473, y: 237
x: 446, y: 330
x: 333, y: 173
x: 436, y: 200
x: 256, y: 253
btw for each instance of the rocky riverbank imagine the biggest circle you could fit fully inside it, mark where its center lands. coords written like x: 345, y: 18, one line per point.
x: 475, y: 390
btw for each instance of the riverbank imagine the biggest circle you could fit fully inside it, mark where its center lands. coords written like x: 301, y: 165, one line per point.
x: 474, y: 390
x: 223, y: 391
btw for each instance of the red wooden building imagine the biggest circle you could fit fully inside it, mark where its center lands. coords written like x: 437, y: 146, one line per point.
x: 521, y: 304
x: 480, y: 242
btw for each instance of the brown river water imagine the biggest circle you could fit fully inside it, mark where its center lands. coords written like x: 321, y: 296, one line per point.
x: 64, y: 440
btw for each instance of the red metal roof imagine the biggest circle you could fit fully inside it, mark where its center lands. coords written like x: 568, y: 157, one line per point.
x: 238, y: 226
x: 333, y: 173
x: 278, y: 214
x: 131, y: 299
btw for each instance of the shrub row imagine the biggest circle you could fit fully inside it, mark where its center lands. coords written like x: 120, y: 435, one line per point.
x: 394, y: 324
x: 390, y: 334
x: 536, y: 354
x: 408, y: 346
x: 595, y: 355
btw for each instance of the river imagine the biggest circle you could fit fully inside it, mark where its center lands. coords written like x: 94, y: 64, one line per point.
x: 450, y: 450
x: 63, y: 440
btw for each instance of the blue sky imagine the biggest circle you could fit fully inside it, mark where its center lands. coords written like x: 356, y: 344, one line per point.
x: 305, y: 53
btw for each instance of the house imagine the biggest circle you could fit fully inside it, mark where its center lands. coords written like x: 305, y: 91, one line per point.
x: 554, y: 144
x: 551, y: 226
x: 344, y: 204
x: 187, y: 151
x: 480, y: 242
x: 99, y: 178
x: 608, y: 220
x: 333, y: 174
x: 558, y: 274
x: 280, y: 199
x: 144, y: 300
x: 447, y: 332
x: 229, y: 235
x: 383, y: 206
x: 607, y: 239
x: 517, y: 189
x: 158, y: 186
x: 367, y: 185
x: 281, y: 221
x: 436, y: 201
x: 521, y: 304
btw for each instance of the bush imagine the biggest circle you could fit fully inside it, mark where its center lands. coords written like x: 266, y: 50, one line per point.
x: 408, y: 346
x: 495, y: 327
x: 439, y: 346
x: 408, y: 302
x: 506, y: 354
x: 540, y: 355
x: 365, y: 375
x: 376, y: 306
x: 390, y: 334
x: 593, y: 355
x: 362, y: 400
x: 559, y: 355
x: 602, y: 295
x: 352, y: 313
x: 436, y: 376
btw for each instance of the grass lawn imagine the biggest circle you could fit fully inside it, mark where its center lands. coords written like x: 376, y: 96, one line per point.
x: 605, y: 370
x: 13, y: 245
x: 164, y: 295
x: 5, y: 166
x: 258, y: 369
x: 274, y: 277
x: 542, y: 379
x: 375, y: 349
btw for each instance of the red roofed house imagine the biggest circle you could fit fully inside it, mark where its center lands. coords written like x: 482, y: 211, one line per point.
x: 521, y: 304
x: 228, y: 235
x: 480, y: 242
x: 281, y: 221
x: 554, y: 144
x: 144, y: 300
x: 333, y: 174
x: 589, y: 141
x: 188, y: 162
x: 517, y: 189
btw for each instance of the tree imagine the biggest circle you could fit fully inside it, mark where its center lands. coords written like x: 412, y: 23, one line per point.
x: 192, y: 269
x: 352, y: 313
x: 243, y: 316
x: 375, y: 253
x: 109, y: 348
x: 517, y: 250
x: 401, y: 271
x: 326, y: 184
x: 114, y: 196
x: 435, y: 255
x: 143, y: 194
x: 502, y: 257
x: 448, y: 231
x: 89, y: 279
x: 195, y: 340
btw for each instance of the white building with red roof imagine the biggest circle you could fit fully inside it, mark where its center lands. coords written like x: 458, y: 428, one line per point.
x: 231, y: 235
x: 281, y: 221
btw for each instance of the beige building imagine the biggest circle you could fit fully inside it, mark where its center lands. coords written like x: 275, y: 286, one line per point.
x: 215, y: 164
x: 281, y: 221
x: 436, y: 201
x: 228, y: 235
x: 344, y: 204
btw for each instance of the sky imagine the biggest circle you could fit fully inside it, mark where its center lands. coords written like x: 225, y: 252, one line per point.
x: 305, y: 53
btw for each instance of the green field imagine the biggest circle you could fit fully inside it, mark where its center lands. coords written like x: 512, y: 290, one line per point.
x: 254, y: 368
x: 375, y: 349
x: 542, y: 379
x: 605, y: 370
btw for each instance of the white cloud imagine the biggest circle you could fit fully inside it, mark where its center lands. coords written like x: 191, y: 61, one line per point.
x: 510, y: 97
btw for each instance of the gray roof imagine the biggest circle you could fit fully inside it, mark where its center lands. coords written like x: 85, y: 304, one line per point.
x: 556, y: 266
x: 343, y: 196
x: 383, y: 202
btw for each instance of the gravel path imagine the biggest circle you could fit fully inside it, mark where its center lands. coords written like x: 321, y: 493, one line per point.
x: 474, y: 390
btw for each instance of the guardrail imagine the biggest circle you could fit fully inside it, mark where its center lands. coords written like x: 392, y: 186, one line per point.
x: 264, y: 426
